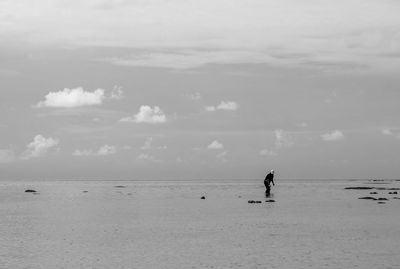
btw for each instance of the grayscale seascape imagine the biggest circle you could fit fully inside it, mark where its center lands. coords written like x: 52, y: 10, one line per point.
x: 149, y: 134
x: 166, y: 224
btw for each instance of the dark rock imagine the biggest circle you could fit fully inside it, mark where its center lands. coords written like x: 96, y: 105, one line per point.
x: 203, y: 197
x: 374, y: 192
x: 381, y: 203
x: 388, y: 189
x: 396, y: 197
x: 358, y: 188
x: 382, y: 199
x: 254, y: 202
x: 368, y: 198
x: 85, y: 191
x: 119, y: 186
x: 29, y: 190
x: 270, y: 201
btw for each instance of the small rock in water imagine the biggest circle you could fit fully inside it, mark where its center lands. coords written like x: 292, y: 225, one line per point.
x: 29, y: 190
x: 358, y: 188
x: 203, y: 197
x: 396, y: 197
x: 381, y: 203
x: 382, y: 199
x: 254, y: 202
x: 393, y: 192
x: 85, y: 191
x: 270, y: 201
x: 367, y: 198
x: 374, y: 192
x: 388, y: 189
x: 119, y: 186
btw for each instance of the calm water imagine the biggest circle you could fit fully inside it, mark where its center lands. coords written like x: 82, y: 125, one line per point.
x: 165, y: 224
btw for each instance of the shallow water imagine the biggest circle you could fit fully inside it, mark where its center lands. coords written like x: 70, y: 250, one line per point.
x: 165, y: 224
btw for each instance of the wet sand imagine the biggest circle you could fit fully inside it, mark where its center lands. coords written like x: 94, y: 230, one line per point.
x: 106, y: 224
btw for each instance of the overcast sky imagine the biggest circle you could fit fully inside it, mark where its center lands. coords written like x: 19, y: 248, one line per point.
x: 182, y: 89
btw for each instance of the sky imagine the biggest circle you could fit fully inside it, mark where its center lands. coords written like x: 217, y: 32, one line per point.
x: 183, y: 89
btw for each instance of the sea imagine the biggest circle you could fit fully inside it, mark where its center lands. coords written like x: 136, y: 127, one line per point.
x: 199, y: 224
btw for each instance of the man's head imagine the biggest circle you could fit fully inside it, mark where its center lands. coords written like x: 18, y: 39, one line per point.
x: 272, y: 171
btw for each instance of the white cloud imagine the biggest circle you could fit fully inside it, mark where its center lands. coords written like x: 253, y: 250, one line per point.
x: 215, y: 145
x: 224, y: 105
x: 147, y: 114
x: 69, y: 98
x: 147, y: 157
x: 283, y: 139
x: 6, y: 156
x: 102, y: 151
x: 117, y: 93
x: 39, y: 147
x: 267, y: 152
x: 211, y: 108
x: 333, y: 136
x: 229, y: 105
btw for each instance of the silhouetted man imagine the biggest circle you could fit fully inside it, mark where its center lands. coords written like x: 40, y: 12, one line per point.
x: 269, y: 178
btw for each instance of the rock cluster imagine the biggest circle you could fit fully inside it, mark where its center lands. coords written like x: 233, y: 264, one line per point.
x: 254, y: 202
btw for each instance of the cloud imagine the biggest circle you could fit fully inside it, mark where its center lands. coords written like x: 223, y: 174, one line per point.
x: 69, y: 98
x: 39, y: 147
x: 283, y: 139
x: 6, y: 156
x: 215, y: 145
x: 267, y: 152
x: 147, y: 114
x: 336, y: 30
x: 102, y: 151
x: 224, y: 105
x: 333, y: 136
x: 147, y: 157
x: 190, y: 58
x: 78, y: 97
x: 117, y: 93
